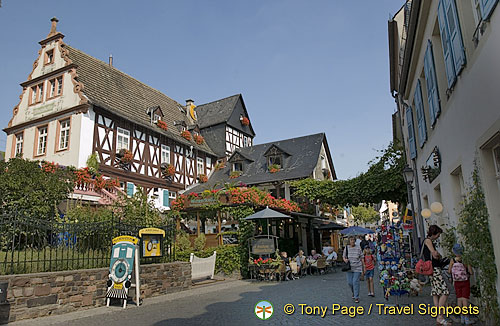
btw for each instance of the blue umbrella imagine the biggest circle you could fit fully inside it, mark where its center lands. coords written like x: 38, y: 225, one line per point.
x: 356, y: 230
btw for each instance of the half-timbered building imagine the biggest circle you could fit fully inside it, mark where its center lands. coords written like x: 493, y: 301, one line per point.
x: 73, y: 105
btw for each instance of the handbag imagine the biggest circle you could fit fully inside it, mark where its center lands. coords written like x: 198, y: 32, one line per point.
x: 424, y: 267
x: 346, y: 266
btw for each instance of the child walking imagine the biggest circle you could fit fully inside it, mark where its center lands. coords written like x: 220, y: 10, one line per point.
x: 369, y: 267
x: 460, y: 273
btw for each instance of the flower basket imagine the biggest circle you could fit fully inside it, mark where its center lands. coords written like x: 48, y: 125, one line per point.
x: 273, y: 168
x: 162, y: 124
x: 199, y: 139
x: 186, y: 135
x: 234, y: 174
x: 168, y: 169
x: 245, y: 121
x: 203, y: 178
x: 125, y: 156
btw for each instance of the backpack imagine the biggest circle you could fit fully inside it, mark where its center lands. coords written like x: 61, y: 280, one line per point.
x: 458, y: 272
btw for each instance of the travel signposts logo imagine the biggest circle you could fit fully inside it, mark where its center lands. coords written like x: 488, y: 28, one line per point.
x: 263, y: 310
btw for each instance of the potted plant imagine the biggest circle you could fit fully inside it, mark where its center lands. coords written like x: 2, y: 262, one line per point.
x: 273, y: 168
x: 245, y: 121
x: 162, y: 124
x: 186, y: 134
x: 234, y: 174
x: 199, y: 139
x: 203, y: 178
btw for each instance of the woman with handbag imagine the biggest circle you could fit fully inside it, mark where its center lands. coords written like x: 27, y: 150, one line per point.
x: 354, y: 266
x: 439, y: 290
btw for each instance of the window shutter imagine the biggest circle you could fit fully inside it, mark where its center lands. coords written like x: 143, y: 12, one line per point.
x: 487, y: 7
x: 130, y: 189
x: 431, y: 81
x: 411, y: 133
x: 457, y: 44
x: 165, y: 198
x: 419, y: 108
x: 445, y: 41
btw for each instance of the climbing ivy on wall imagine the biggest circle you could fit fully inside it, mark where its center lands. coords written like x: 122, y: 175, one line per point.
x: 478, y: 247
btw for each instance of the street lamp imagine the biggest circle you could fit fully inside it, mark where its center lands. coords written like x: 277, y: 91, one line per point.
x: 408, y: 175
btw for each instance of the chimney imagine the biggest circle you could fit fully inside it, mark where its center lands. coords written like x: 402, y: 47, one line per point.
x: 53, y: 27
x: 111, y: 60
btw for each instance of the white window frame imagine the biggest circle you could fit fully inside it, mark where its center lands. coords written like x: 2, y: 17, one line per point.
x: 476, y: 10
x: 125, y: 135
x: 234, y: 166
x: 64, y: 130
x: 165, y: 152
x: 41, y: 148
x: 208, y: 162
x: 199, y: 165
x: 156, y: 117
x: 19, y: 144
x: 496, y: 161
x: 172, y: 196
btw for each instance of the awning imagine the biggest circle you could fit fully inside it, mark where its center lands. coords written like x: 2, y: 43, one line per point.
x: 267, y: 213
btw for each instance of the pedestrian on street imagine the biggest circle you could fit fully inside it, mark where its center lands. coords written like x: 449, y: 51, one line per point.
x: 369, y: 264
x: 439, y: 290
x: 460, y: 273
x: 354, y: 255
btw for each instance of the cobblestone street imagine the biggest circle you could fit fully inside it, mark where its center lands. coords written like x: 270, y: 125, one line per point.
x: 232, y: 303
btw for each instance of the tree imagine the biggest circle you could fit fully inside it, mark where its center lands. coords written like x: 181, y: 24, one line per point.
x: 383, y: 181
x: 364, y: 214
x: 33, y: 188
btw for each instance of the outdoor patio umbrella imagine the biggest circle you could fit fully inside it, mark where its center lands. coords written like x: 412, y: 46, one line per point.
x: 267, y: 214
x: 356, y: 230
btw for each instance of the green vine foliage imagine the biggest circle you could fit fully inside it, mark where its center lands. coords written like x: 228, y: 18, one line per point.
x: 383, y: 181
x: 448, y: 240
x: 365, y: 214
x: 478, y: 250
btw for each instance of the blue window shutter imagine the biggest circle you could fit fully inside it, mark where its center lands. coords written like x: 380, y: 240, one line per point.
x: 487, y: 7
x: 165, y: 198
x: 411, y: 133
x: 457, y: 44
x: 445, y: 41
x: 419, y: 108
x: 431, y: 81
x: 130, y: 189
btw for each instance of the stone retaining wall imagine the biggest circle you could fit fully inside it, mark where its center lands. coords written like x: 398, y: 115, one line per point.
x: 43, y: 294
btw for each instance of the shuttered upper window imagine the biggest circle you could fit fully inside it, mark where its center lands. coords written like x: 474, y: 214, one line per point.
x: 419, y: 108
x: 431, y: 82
x: 487, y: 7
x: 411, y: 133
x: 451, y: 39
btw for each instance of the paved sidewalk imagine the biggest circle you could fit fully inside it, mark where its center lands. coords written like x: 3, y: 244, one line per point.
x: 233, y: 302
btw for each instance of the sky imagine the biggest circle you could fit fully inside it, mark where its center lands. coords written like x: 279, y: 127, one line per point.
x: 302, y: 67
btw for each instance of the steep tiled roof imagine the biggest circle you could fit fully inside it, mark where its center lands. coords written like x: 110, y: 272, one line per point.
x: 117, y: 92
x: 303, y: 154
x: 216, y: 112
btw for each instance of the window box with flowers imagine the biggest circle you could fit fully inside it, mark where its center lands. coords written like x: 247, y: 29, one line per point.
x: 219, y: 166
x: 234, y: 174
x: 245, y: 121
x: 161, y: 124
x: 186, y: 135
x: 168, y: 170
x: 203, y: 178
x: 273, y: 168
x: 199, y: 139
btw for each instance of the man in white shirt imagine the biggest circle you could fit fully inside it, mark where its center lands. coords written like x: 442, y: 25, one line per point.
x: 326, y: 250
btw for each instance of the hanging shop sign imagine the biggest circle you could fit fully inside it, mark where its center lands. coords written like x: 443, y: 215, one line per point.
x: 151, y: 242
x: 124, y: 262
x: 432, y: 166
x: 262, y: 246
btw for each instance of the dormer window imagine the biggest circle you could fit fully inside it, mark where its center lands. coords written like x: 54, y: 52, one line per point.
x: 238, y: 166
x: 49, y: 57
x: 275, y: 160
x: 156, y: 117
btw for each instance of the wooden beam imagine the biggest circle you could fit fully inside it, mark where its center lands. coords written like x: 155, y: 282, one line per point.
x: 218, y: 224
x: 198, y: 222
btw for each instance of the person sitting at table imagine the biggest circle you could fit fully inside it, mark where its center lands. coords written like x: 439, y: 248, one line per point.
x: 301, y: 262
x: 326, y: 250
x: 332, y: 257
x: 312, y: 261
x: 286, y: 261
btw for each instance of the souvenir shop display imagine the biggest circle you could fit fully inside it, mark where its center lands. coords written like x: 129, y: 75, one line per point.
x: 392, y: 253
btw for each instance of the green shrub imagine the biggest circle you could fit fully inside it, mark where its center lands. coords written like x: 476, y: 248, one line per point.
x: 182, y: 242
x: 199, y: 242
